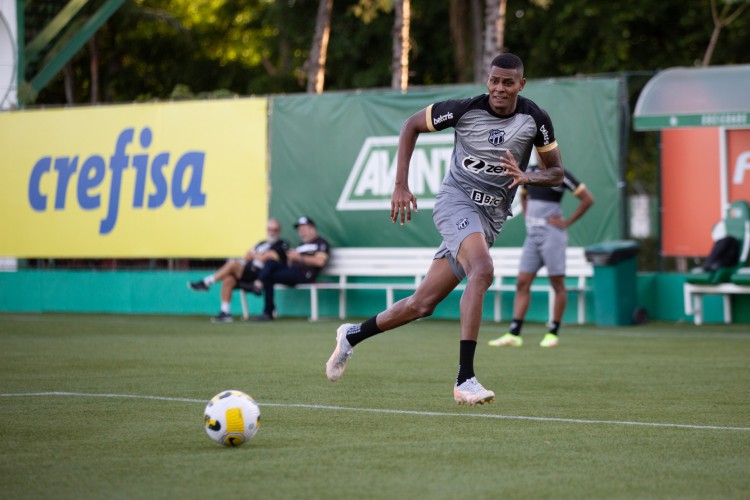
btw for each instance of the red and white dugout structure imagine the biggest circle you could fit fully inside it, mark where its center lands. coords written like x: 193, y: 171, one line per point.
x: 704, y: 118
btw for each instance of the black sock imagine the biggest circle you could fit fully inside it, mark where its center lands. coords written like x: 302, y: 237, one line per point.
x: 515, y: 326
x: 466, y: 361
x: 363, y: 331
x: 553, y: 326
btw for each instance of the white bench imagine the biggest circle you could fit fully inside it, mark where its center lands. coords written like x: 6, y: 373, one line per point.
x: 693, y: 293
x: 411, y: 264
x: 694, y: 298
x: 577, y: 269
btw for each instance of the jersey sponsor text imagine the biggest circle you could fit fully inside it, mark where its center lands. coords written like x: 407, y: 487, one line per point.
x: 442, y: 118
x: 480, y: 166
x: 481, y: 198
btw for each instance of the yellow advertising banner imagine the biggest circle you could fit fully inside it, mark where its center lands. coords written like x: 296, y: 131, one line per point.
x: 184, y: 179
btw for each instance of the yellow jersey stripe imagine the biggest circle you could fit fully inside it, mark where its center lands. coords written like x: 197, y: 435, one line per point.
x: 548, y: 147
x: 429, y: 118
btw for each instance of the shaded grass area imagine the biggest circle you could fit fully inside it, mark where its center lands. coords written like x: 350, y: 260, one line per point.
x: 96, y: 447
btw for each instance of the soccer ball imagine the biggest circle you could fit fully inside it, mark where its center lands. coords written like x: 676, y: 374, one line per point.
x: 232, y: 418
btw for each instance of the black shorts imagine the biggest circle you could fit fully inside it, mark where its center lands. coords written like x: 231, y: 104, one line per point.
x: 249, y: 273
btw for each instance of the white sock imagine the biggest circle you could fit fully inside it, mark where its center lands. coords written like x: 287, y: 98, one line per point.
x: 225, y: 307
x: 209, y: 280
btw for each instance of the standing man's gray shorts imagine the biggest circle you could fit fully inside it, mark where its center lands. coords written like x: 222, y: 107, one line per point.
x: 544, y: 246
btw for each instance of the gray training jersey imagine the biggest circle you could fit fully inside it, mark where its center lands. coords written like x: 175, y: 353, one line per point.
x: 481, y: 137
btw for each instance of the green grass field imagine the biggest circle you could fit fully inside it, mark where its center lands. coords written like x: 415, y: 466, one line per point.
x: 657, y: 411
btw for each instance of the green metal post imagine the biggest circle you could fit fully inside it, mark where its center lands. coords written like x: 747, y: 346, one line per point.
x: 20, y: 48
x: 45, y: 37
x: 71, y: 47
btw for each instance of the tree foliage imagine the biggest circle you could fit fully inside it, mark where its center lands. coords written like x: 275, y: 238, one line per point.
x: 260, y: 46
x: 172, y: 49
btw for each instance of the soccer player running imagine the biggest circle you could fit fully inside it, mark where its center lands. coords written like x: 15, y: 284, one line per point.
x: 545, y: 244
x: 494, y: 136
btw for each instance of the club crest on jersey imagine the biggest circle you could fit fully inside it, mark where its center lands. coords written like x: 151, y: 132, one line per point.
x: 496, y: 137
x: 463, y: 223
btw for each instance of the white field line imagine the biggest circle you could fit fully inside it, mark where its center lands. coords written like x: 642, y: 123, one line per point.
x: 397, y: 412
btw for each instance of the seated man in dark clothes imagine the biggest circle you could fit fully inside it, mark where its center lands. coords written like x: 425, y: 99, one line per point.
x: 303, y: 265
x: 246, y: 270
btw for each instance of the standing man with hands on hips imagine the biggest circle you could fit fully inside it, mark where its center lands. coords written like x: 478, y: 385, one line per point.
x: 545, y: 245
x: 494, y: 136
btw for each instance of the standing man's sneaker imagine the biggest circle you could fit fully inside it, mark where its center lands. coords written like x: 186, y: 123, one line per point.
x: 507, y: 340
x: 341, y: 354
x: 198, y: 286
x: 549, y: 340
x: 471, y: 392
x: 263, y: 317
x: 222, y: 317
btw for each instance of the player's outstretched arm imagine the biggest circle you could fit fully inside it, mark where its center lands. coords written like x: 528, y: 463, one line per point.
x: 402, y: 199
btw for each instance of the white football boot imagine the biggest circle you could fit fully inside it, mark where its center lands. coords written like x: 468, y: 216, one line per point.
x: 337, y: 362
x: 471, y: 392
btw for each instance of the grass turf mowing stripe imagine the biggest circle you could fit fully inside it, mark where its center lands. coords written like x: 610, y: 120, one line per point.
x: 398, y: 412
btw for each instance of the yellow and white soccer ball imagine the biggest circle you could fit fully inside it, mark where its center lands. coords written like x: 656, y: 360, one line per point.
x: 232, y: 418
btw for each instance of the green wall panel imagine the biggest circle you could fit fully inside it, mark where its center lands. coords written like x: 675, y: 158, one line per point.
x: 21, y: 292
x: 339, y: 171
x: 156, y: 292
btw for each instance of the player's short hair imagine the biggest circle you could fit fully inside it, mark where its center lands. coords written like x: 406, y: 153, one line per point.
x: 508, y: 61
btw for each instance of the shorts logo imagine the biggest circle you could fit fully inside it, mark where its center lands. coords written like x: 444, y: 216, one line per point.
x: 481, y: 198
x: 463, y: 223
x: 496, y: 137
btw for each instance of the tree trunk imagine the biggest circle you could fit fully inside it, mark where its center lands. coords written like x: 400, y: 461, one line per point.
x: 401, y: 45
x: 500, y: 39
x: 720, y: 20
x: 480, y: 72
x: 68, y: 82
x: 490, y: 35
x: 459, y: 36
x: 316, y: 70
x: 114, y: 63
x: 494, y: 31
x: 94, y: 68
x: 711, y: 45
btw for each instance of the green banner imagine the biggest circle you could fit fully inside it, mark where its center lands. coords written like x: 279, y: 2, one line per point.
x: 332, y: 157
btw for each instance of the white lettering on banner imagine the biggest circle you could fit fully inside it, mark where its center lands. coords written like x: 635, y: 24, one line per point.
x: 725, y: 119
x: 740, y: 167
x: 370, y: 182
x: 377, y: 171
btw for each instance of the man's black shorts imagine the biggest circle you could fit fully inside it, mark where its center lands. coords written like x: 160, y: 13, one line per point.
x: 249, y: 273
